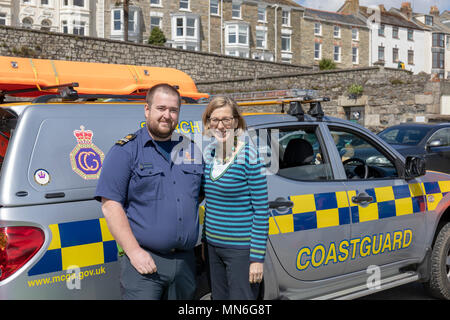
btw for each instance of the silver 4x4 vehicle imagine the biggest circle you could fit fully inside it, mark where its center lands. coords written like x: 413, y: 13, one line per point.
x: 349, y: 215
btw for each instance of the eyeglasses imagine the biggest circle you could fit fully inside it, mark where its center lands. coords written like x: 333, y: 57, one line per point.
x: 225, y: 121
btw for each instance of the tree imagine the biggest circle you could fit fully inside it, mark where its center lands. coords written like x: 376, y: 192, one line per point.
x: 327, y: 64
x: 157, y: 37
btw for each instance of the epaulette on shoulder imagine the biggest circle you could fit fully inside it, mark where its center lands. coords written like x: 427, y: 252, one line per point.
x: 126, y: 139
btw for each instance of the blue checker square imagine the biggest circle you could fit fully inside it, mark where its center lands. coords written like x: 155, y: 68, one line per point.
x: 355, y: 214
x: 305, y: 221
x: 401, y: 192
x: 386, y: 209
x: 418, y: 204
x: 344, y: 216
x: 50, y: 262
x: 80, y: 232
x: 110, y: 251
x: 325, y: 201
x: 432, y: 187
x: 371, y: 192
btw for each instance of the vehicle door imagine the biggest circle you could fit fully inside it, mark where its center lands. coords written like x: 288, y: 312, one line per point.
x: 309, y: 213
x: 438, y: 151
x: 387, y: 211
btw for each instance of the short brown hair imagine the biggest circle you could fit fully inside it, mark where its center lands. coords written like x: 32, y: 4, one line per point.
x: 223, y: 101
x: 164, y: 87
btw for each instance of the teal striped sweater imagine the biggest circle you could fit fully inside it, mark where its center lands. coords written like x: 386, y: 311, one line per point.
x: 236, y: 209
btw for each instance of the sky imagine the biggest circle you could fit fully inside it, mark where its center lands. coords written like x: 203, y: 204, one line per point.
x: 422, y: 6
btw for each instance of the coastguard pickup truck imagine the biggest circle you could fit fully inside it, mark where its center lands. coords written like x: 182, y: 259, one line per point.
x: 349, y: 216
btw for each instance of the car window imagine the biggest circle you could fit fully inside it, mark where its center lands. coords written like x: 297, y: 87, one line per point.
x: 443, y: 136
x: 362, y: 159
x: 406, y: 135
x: 300, y: 154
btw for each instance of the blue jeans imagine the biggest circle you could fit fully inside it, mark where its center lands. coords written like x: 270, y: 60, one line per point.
x: 229, y: 270
x: 173, y: 280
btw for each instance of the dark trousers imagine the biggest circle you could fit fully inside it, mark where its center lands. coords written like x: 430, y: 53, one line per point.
x: 173, y: 280
x: 229, y: 271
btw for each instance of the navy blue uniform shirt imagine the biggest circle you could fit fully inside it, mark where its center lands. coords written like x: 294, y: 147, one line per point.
x: 159, y: 195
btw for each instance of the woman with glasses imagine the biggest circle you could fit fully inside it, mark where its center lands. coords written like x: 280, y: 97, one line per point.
x: 236, y: 211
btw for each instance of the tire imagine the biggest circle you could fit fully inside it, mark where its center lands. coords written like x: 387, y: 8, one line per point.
x: 439, y: 283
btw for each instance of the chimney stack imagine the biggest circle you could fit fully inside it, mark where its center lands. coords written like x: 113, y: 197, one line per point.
x: 434, y: 11
x: 382, y: 8
x: 406, y: 10
x: 352, y: 6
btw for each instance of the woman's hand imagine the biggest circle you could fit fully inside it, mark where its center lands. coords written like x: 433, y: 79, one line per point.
x: 256, y: 272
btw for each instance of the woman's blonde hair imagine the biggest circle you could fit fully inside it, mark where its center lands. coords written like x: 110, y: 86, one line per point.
x: 219, y: 102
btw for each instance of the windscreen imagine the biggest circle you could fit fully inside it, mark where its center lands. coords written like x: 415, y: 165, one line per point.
x: 407, y: 136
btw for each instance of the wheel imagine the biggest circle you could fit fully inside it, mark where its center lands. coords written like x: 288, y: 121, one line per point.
x: 439, y: 283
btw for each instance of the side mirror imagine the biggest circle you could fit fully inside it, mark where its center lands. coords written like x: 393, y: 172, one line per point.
x: 434, y: 143
x: 414, y: 167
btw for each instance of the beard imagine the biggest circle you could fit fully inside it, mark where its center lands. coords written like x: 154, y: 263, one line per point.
x: 160, y: 134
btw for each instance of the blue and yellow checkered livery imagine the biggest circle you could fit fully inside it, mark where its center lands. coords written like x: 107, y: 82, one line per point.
x: 322, y: 210
x: 80, y: 243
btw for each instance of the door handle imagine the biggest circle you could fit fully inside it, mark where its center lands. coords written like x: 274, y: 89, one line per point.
x: 280, y: 204
x: 362, y: 198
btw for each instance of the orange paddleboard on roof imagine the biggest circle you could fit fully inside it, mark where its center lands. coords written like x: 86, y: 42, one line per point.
x: 92, y: 78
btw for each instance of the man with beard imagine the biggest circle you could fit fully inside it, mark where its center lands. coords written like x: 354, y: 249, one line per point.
x: 150, y: 203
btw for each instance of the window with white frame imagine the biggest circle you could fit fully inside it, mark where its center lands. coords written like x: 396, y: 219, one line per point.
x: 337, y: 31
x: 317, y: 28
x: 2, y: 19
x: 236, y: 10
x: 355, y: 34
x: 355, y: 55
x: 79, y: 27
x: 65, y: 3
x: 380, y: 53
x: 117, y: 19
x: 237, y: 34
x: 285, y: 18
x: 44, y: 2
x: 184, y: 4
x: 381, y: 30
x: 317, y: 51
x: 155, y: 3
x: 64, y: 26
x: 155, y: 21
x: 46, y: 25
x: 286, y: 42
x: 186, y: 27
x: 337, y: 53
x: 27, y: 22
x: 261, y: 36
x: 262, y: 16
x: 78, y: 3
x: 214, y: 7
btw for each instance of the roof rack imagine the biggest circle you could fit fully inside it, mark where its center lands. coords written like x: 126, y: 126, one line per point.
x: 93, y: 97
x: 65, y: 91
x: 294, y: 98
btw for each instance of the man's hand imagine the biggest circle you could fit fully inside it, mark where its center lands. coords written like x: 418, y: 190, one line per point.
x: 256, y: 272
x: 142, y: 261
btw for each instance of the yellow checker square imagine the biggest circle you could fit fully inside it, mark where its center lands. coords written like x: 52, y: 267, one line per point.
x: 403, y: 206
x: 417, y: 189
x: 83, y: 255
x: 56, y: 240
x: 444, y: 185
x: 342, y: 200
x: 327, y: 218
x: 285, y: 223
x: 106, y: 234
x: 433, y: 200
x: 368, y: 213
x: 351, y: 194
x: 384, y: 194
x: 303, y: 203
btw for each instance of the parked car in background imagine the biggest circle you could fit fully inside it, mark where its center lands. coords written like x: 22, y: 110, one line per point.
x: 431, y: 141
